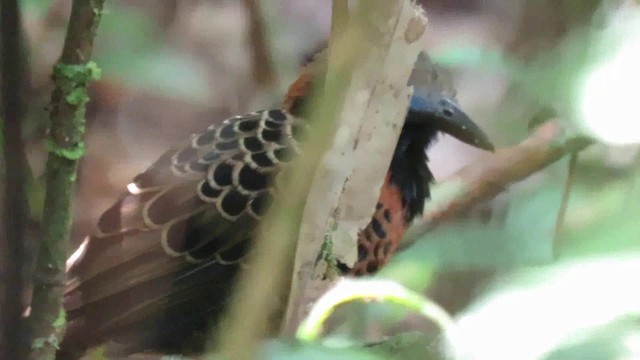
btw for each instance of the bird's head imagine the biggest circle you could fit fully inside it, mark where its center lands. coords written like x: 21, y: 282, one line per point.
x: 433, y: 108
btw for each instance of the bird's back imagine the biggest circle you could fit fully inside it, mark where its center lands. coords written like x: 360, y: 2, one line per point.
x: 163, y: 258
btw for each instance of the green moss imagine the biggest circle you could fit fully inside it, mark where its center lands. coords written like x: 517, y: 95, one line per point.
x: 53, y: 339
x: 39, y: 343
x: 326, y: 250
x: 72, y: 80
x: 326, y: 253
x: 80, y: 74
x: 77, y: 97
x: 74, y: 152
x: 61, y: 321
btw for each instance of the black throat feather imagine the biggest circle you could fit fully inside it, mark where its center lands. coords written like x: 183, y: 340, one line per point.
x: 409, y: 170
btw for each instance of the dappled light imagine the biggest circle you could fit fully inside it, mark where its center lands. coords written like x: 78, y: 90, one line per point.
x: 607, y: 98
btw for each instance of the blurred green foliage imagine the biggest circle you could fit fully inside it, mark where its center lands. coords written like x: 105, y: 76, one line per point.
x: 553, y: 309
x: 603, y: 221
x: 39, y: 6
x: 136, y: 53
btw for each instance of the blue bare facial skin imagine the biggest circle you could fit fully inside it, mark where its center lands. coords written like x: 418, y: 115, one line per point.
x: 446, y: 116
x: 439, y: 111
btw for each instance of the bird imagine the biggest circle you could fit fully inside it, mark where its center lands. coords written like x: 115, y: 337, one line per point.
x: 158, y: 269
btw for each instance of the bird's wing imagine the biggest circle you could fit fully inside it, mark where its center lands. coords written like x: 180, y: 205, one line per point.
x: 182, y: 225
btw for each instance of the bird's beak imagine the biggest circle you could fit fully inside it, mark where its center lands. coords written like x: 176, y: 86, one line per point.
x: 449, y: 118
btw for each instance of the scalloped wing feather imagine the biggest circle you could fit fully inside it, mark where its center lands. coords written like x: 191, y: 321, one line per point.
x: 181, y: 228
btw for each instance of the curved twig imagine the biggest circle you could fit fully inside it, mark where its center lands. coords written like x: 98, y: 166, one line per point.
x: 564, y: 203
x: 492, y: 174
x: 348, y: 290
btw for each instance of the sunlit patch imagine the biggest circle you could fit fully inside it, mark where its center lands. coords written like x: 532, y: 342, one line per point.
x: 133, y: 189
x: 77, y: 255
x: 609, y: 105
x: 535, y: 312
x: 632, y: 347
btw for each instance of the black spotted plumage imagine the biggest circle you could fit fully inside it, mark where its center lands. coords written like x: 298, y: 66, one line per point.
x: 262, y: 159
x: 251, y: 179
x: 172, y: 244
x: 208, y: 158
x: 250, y: 125
x: 253, y: 144
x: 227, y: 145
x: 227, y: 131
x: 261, y: 203
x: 208, y: 193
x: 205, y: 138
x: 221, y: 175
x: 198, y: 166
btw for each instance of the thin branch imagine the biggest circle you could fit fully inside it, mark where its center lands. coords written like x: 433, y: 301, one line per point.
x: 15, y: 201
x: 490, y: 175
x: 564, y: 203
x: 66, y: 146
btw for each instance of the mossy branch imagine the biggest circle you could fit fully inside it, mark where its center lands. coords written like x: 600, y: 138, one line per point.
x: 71, y: 77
